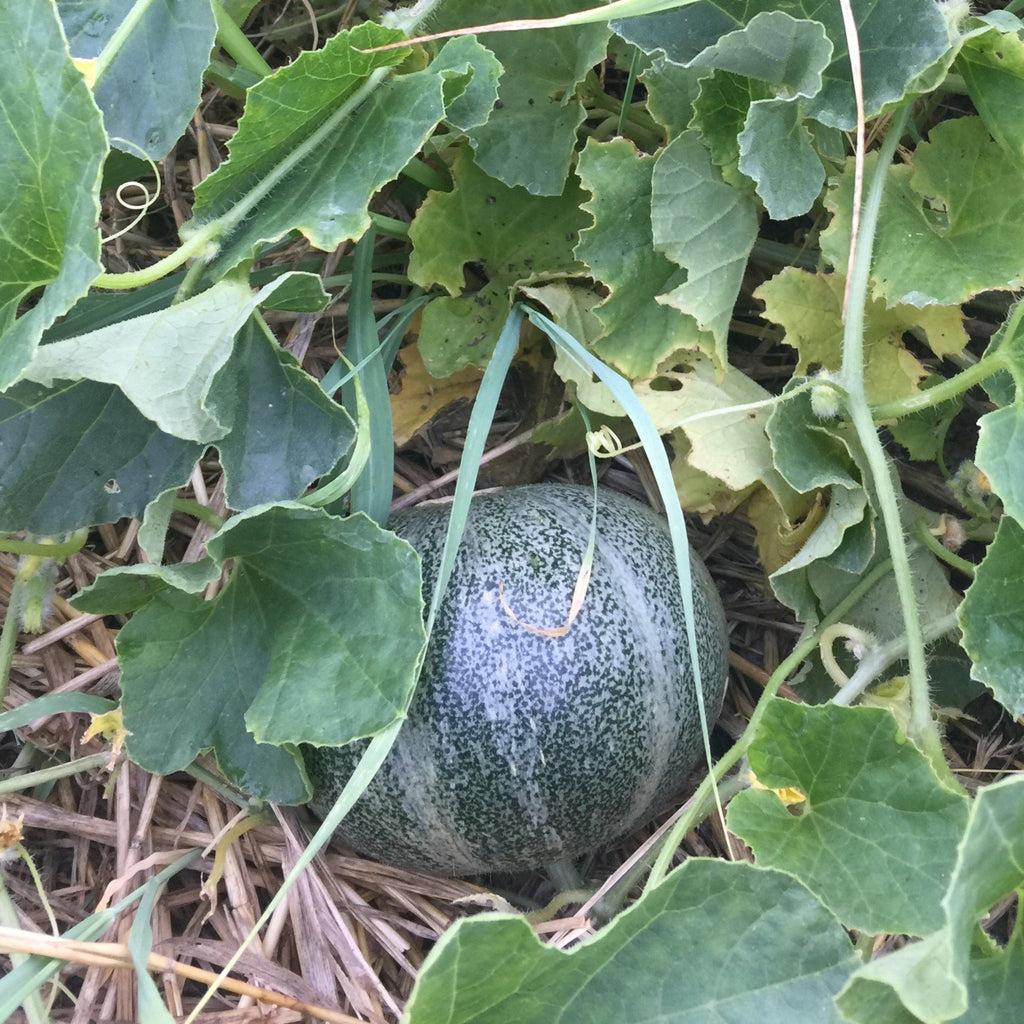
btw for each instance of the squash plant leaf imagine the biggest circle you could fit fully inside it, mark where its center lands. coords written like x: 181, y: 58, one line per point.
x: 517, y: 237
x: 618, y: 247
x: 80, y: 453
x: 874, y: 837
x: 1000, y: 456
x: 992, y: 617
x: 53, y: 145
x: 537, y: 98
x: 931, y: 978
x: 809, y: 307
x: 897, y: 43
x: 165, y: 362
x: 146, y: 104
x: 949, y: 223
x: 705, y: 226
x: 316, y: 638
x: 992, y: 65
x: 303, y: 158
x: 492, y: 969
x: 720, y: 112
x: 285, y: 431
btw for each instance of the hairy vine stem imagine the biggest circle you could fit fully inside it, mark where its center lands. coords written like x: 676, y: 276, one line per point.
x: 922, y: 726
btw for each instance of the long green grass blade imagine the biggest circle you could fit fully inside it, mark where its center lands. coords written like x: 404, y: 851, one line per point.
x: 140, y: 944
x: 655, y: 450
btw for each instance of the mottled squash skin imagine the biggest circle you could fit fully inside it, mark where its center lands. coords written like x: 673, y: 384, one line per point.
x: 521, y: 749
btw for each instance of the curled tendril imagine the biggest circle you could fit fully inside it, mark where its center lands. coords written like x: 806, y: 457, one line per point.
x: 143, y: 202
x: 858, y: 643
x: 605, y: 443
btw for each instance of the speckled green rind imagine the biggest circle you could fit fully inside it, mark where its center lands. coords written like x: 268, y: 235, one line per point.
x: 521, y: 749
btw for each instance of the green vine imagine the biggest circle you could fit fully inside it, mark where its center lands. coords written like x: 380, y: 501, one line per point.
x: 922, y: 726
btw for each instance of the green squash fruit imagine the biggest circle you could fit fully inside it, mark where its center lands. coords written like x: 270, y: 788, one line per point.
x: 522, y: 749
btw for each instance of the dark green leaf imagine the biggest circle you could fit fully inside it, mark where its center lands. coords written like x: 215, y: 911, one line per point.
x: 151, y: 88
x: 992, y: 617
x: 663, y: 960
x: 897, y: 43
x: 52, y: 144
x: 875, y: 839
x: 127, y: 588
x: 932, y: 977
x: 316, y: 638
x: 79, y: 454
x: 301, y: 293
x: 285, y: 431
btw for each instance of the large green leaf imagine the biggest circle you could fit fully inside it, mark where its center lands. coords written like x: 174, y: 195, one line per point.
x: 992, y: 617
x: 715, y: 941
x: 705, y: 226
x: 897, y: 43
x: 931, y: 978
x: 146, y: 102
x: 165, y: 362
x: 285, y: 432
x: 299, y: 125
x: 79, y: 454
x: 875, y: 835
x: 809, y: 307
x: 517, y: 237
x: 619, y: 250
x: 315, y: 639
x: 949, y: 225
x: 52, y: 147
x: 992, y: 66
x: 530, y: 136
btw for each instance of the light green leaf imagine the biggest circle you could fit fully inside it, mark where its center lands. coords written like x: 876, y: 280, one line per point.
x: 931, y: 977
x: 1000, y: 456
x: 992, y: 66
x: 923, y: 433
x: 875, y: 836
x: 156, y: 521
x: 777, y: 152
x: 285, y: 431
x: 731, y: 447
x: 530, y: 136
x: 949, y: 225
x: 705, y: 226
x: 165, y: 362
x: 809, y: 307
x: 671, y: 93
x: 146, y: 105
x: 52, y: 146
x: 80, y: 454
x: 475, y: 102
x: 517, y: 237
x: 492, y: 969
x: 897, y: 43
x: 992, y: 617
x: 638, y: 332
x: 316, y: 638
x: 299, y: 126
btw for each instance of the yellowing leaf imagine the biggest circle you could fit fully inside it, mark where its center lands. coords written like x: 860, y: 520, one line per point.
x: 87, y: 65
x: 109, y: 725
x: 421, y: 396
x: 809, y: 307
x: 789, y: 795
x: 779, y: 538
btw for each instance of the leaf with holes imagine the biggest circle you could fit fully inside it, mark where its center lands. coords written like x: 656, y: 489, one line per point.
x: 875, y: 835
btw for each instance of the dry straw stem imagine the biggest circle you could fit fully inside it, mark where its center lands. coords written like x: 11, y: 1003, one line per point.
x: 116, y: 955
